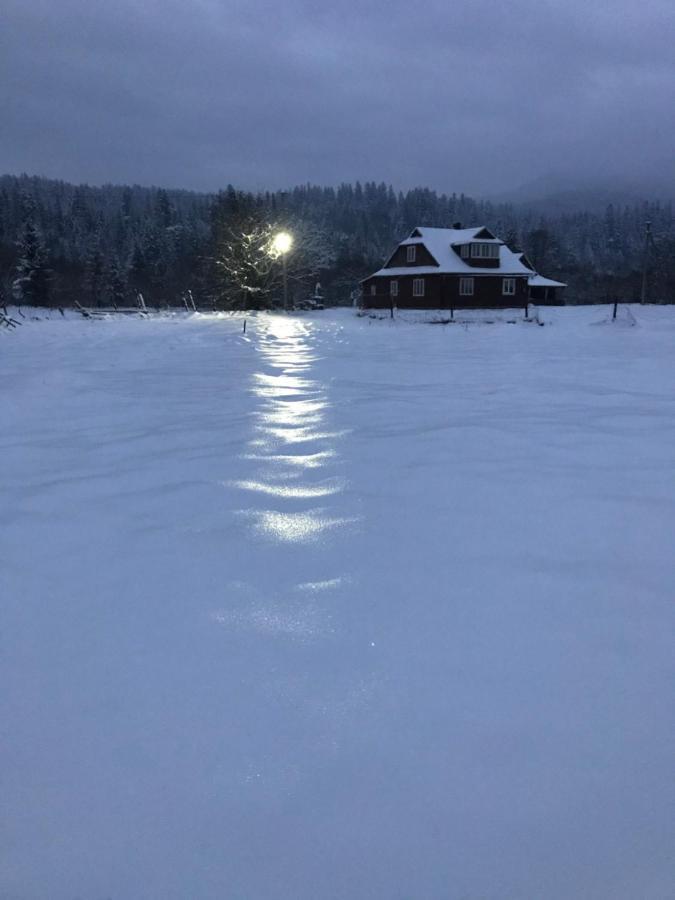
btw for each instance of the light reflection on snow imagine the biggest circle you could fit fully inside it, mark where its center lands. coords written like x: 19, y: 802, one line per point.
x: 281, y: 381
x: 294, y: 527
x: 299, y: 435
x: 283, y: 418
x: 279, y: 614
x: 324, y: 489
x: 292, y: 410
x: 301, y: 460
x: 329, y: 584
x: 306, y: 412
x: 299, y: 623
x: 278, y: 392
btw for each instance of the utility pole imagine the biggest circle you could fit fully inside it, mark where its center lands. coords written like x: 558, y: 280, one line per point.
x: 645, y: 262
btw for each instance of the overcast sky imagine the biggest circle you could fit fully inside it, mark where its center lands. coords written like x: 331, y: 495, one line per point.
x: 473, y: 95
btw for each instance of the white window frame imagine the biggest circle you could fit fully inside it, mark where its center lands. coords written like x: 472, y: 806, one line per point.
x: 466, y: 287
x: 411, y: 253
x: 484, y: 251
x: 508, y: 287
x: 393, y: 288
x: 373, y: 289
x: 465, y: 250
x: 418, y: 287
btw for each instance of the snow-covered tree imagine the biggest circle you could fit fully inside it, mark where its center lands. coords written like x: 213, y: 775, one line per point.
x: 248, y: 268
x: 116, y: 287
x: 33, y: 279
x: 94, y: 275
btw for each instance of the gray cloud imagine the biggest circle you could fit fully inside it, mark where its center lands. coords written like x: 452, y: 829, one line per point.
x: 474, y: 95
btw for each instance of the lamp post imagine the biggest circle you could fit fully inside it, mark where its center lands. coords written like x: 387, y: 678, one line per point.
x: 283, y: 241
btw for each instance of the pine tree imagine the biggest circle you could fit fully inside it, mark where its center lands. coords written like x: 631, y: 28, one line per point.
x: 32, y: 284
x: 138, y: 269
x: 116, y: 287
x: 94, y: 275
x: 163, y: 209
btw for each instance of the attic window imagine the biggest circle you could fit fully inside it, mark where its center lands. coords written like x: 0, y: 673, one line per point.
x: 485, y: 251
x: 410, y: 253
x: 464, y: 250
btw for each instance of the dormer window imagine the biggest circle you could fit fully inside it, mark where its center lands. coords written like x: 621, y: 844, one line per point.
x: 411, y: 253
x: 484, y: 251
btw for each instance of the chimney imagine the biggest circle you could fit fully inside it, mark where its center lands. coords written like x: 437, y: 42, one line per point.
x: 457, y: 225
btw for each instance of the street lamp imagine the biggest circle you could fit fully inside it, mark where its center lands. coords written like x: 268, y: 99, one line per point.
x: 282, y: 243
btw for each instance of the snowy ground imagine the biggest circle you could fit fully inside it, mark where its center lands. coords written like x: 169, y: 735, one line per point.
x: 337, y: 609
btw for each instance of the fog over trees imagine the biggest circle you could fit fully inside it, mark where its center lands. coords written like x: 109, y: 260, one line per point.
x: 61, y: 243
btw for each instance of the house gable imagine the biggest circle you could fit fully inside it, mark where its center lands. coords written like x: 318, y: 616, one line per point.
x: 422, y: 256
x: 484, y: 234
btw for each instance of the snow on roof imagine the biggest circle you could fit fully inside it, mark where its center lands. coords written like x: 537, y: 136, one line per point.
x: 446, y: 235
x: 540, y: 281
x: 439, y: 241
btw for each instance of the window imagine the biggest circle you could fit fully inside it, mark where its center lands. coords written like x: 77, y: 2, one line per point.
x: 464, y: 251
x: 485, y: 251
x: 373, y: 289
x: 393, y: 288
x: 466, y: 287
x: 411, y: 253
x: 508, y: 286
x: 418, y: 287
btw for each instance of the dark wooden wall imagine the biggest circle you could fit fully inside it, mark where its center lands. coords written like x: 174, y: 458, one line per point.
x: 442, y: 292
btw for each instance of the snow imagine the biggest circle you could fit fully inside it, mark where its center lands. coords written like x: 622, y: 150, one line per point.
x: 338, y: 608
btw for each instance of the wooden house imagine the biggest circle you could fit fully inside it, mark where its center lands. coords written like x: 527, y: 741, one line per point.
x: 457, y: 268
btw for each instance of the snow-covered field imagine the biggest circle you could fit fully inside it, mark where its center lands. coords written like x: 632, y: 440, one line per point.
x: 338, y: 609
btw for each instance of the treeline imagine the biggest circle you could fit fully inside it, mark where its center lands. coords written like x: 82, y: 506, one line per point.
x: 61, y: 243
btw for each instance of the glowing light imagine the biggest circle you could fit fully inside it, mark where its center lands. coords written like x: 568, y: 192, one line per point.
x: 282, y: 243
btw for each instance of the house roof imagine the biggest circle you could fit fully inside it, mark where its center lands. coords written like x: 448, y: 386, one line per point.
x: 440, y: 241
x: 540, y: 281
